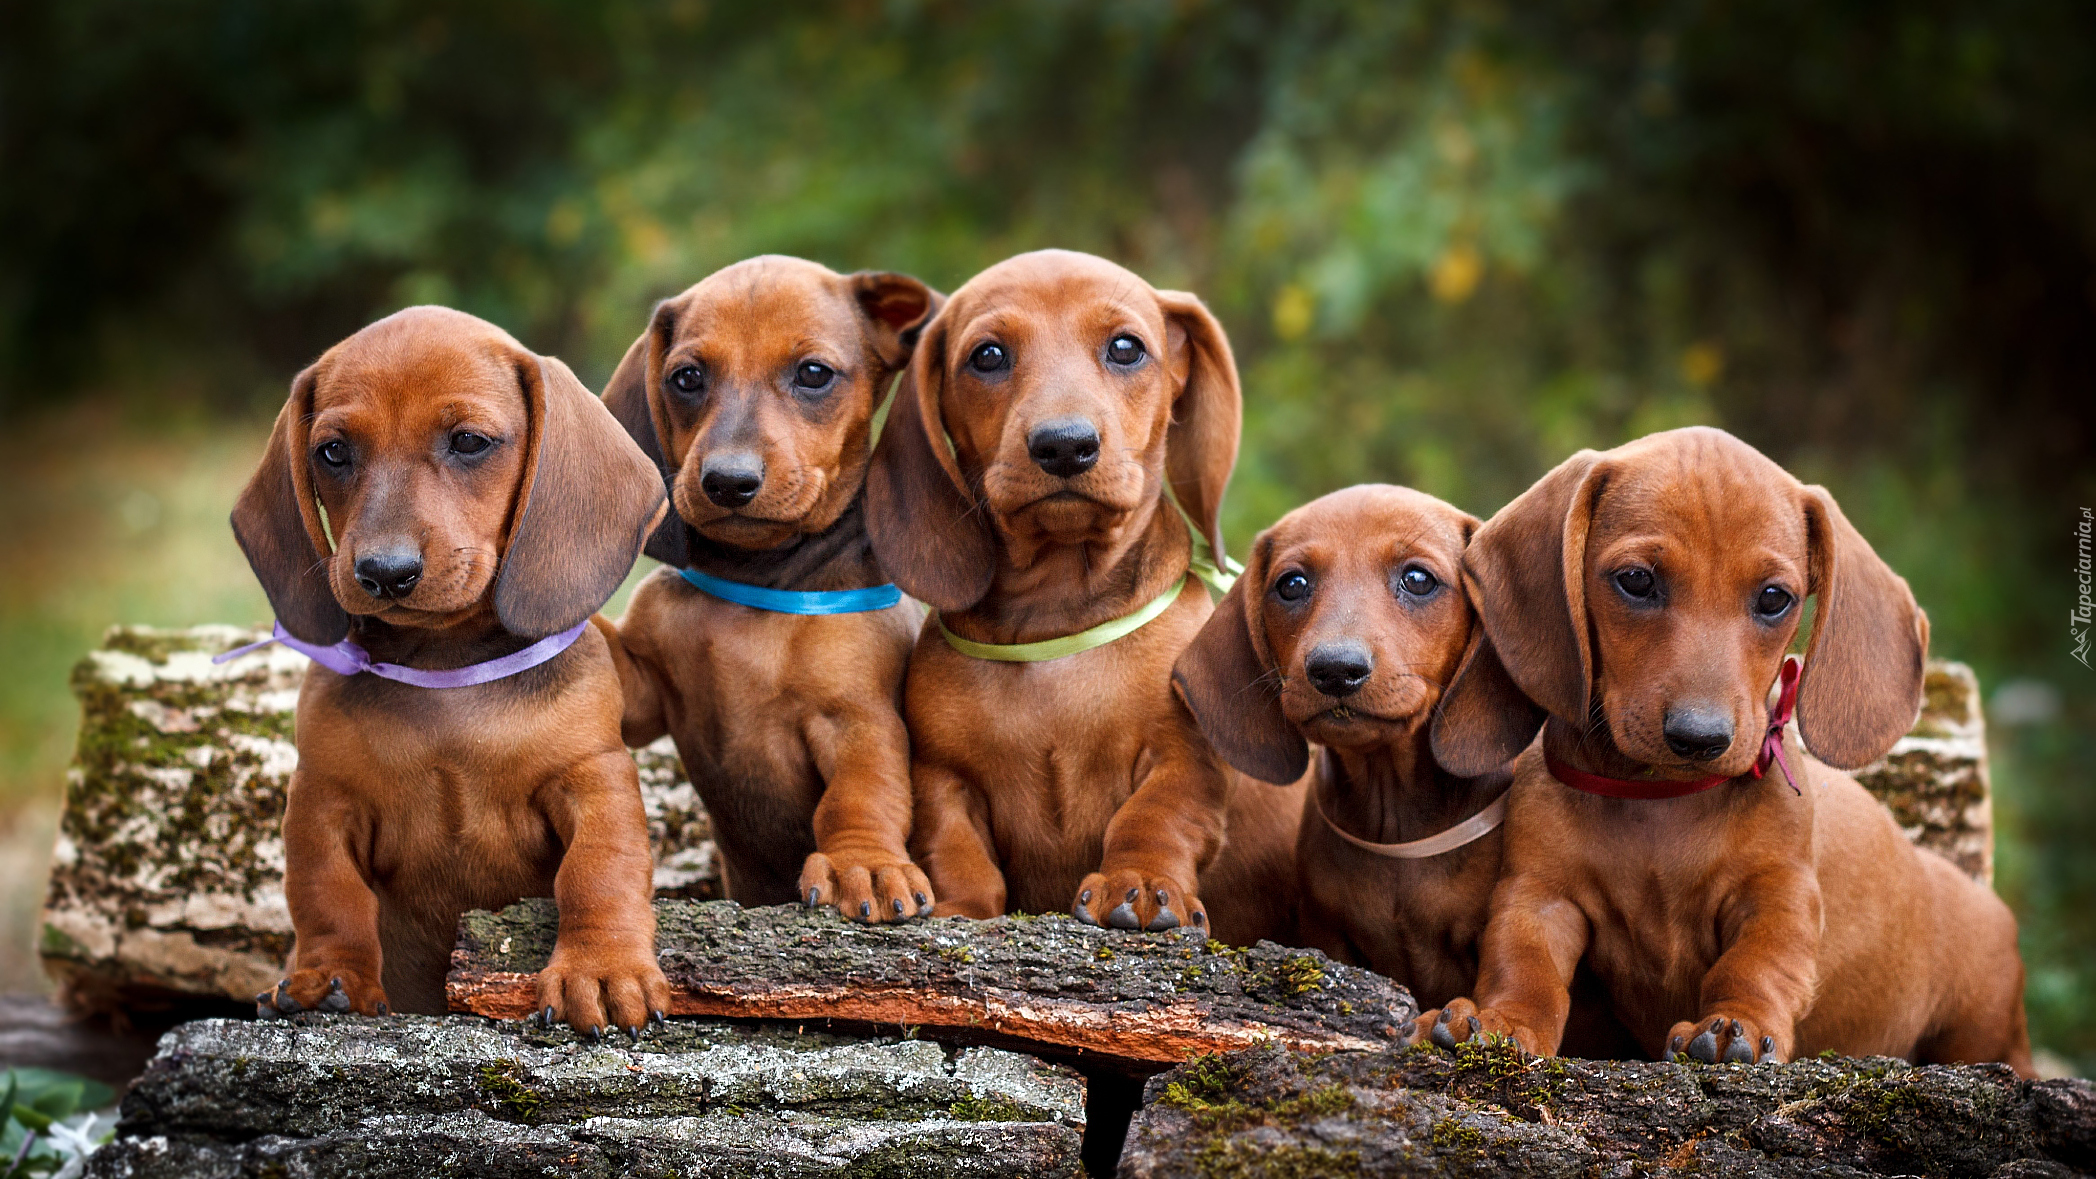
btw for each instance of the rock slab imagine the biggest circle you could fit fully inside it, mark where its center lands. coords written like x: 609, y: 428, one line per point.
x: 1486, y: 1110
x: 1132, y: 1002
x: 167, y: 878
x: 417, y: 1097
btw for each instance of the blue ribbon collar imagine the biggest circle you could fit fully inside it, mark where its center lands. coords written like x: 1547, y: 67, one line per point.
x: 757, y: 597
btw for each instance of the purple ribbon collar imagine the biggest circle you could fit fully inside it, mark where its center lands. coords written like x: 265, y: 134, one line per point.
x: 346, y: 658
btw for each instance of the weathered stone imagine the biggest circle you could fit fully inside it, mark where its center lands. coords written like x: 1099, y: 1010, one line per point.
x: 1935, y: 778
x: 167, y: 877
x: 414, y: 1096
x: 1487, y: 1110
x: 1132, y: 1001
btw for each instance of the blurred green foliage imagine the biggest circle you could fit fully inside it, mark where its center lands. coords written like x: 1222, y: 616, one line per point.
x: 1452, y: 241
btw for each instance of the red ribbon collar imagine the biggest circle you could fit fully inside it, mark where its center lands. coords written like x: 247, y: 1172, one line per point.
x: 1771, y: 753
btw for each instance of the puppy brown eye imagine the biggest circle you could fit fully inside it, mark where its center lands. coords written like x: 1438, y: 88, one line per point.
x: 1292, y: 587
x: 813, y: 375
x: 989, y: 358
x: 1772, y: 601
x: 688, y: 379
x: 1124, y: 350
x: 334, y: 454
x: 1636, y: 583
x: 467, y: 442
x: 1417, y: 582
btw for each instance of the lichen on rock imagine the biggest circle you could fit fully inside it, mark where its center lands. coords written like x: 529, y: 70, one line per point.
x: 1488, y: 1109
x: 353, y: 1096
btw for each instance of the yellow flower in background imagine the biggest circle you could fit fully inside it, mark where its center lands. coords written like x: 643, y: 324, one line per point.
x: 1456, y: 272
x: 1702, y: 363
x: 1294, y: 308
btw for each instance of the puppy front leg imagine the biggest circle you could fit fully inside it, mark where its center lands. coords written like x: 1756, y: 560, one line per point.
x: 640, y: 684
x: 603, y: 972
x: 862, y: 825
x: 334, y: 913
x: 1156, y: 845
x: 1531, y: 946
x: 952, y: 841
x: 1757, y: 990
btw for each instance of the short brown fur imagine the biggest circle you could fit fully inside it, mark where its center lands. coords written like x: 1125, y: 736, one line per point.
x: 789, y: 724
x: 1080, y: 782
x: 1748, y: 920
x: 409, y: 804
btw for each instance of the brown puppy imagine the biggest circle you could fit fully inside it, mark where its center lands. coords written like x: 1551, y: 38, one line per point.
x: 754, y: 392
x: 1073, y: 394
x: 443, y: 498
x: 1644, y: 598
x: 1349, y: 619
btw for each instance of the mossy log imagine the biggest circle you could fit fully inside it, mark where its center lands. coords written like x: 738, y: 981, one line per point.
x: 167, y: 878
x: 418, y: 1097
x: 1128, y: 1001
x: 1485, y: 1110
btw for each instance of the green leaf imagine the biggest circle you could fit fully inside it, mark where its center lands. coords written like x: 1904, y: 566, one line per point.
x: 58, y: 1095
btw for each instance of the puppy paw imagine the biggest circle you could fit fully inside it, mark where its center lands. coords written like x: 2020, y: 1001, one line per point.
x: 1128, y: 899
x: 1723, y: 1039
x: 1463, y: 1020
x: 595, y: 990
x: 332, y: 992
x: 867, y: 886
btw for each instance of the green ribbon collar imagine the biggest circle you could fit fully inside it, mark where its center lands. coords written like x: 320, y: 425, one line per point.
x: 1217, y: 575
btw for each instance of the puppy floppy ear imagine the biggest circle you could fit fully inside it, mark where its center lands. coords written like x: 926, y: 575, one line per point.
x: 896, y: 307
x: 1526, y: 572
x: 1225, y: 679
x: 588, y: 497
x: 1207, y: 417
x: 633, y: 396
x: 1863, y: 666
x: 928, y: 531
x: 278, y: 527
x: 1483, y: 720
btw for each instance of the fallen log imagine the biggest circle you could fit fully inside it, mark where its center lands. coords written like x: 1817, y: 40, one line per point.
x: 1487, y: 1110
x: 1133, y: 1002
x: 411, y: 1096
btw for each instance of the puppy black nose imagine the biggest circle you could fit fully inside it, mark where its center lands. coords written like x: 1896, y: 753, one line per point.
x: 1700, y: 733
x: 390, y: 574
x: 731, y: 480
x: 1065, y: 448
x: 1339, y: 667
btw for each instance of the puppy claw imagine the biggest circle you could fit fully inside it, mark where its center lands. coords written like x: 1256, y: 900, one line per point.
x: 1083, y: 915
x: 812, y: 894
x: 1123, y: 917
x: 898, y: 907
x: 1768, y: 1051
x: 1704, y: 1047
x: 865, y: 910
x: 1442, y: 1037
x: 658, y: 1018
x: 285, y: 1003
x: 633, y: 1034
x: 1164, y: 920
x: 1477, y: 1030
x: 264, y: 1009
x: 382, y: 1009
x: 1673, y: 1047
x: 336, y: 1000
x: 546, y: 1017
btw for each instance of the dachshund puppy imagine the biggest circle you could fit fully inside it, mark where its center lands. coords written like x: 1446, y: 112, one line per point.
x: 437, y: 516
x: 772, y: 648
x: 1344, y: 630
x: 1739, y: 898
x: 1023, y: 488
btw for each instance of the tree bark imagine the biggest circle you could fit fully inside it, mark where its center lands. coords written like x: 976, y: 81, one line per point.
x: 1129, y: 1001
